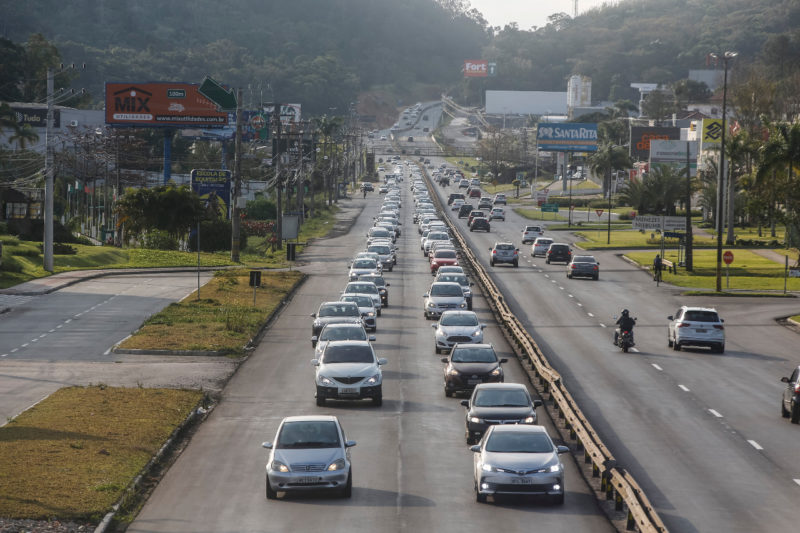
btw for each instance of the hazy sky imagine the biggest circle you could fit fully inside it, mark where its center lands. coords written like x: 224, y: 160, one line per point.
x: 527, y: 13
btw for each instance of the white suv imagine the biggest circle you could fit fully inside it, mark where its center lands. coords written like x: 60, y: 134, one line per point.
x: 696, y: 326
x: 530, y: 233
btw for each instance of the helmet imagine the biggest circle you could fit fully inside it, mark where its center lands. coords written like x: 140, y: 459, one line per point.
x: 624, y: 312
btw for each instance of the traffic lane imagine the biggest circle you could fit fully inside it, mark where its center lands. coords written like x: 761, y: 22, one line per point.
x: 83, y: 321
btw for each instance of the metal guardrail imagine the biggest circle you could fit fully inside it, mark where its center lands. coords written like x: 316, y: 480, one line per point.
x: 617, y: 484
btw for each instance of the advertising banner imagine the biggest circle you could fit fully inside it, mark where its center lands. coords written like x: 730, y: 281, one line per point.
x: 36, y: 117
x: 659, y: 222
x: 476, y: 68
x: 673, y: 154
x: 641, y: 137
x: 214, y: 188
x: 712, y: 132
x: 567, y: 137
x: 160, y: 104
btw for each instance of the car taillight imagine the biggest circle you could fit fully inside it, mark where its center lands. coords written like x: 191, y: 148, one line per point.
x: 572, y: 266
x: 719, y: 326
x: 684, y: 325
x: 594, y: 267
x: 516, y: 252
x: 797, y: 387
x: 494, y: 252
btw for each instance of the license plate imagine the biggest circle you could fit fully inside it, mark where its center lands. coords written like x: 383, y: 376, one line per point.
x: 698, y: 330
x: 349, y: 390
x: 474, y: 381
x: 521, y: 481
x: 308, y: 480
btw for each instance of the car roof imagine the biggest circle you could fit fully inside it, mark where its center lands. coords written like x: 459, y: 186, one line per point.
x: 694, y: 308
x: 518, y: 428
x: 458, y: 312
x: 446, y: 283
x: 503, y: 386
x: 311, y: 418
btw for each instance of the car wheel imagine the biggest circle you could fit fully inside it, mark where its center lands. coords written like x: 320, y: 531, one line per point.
x: 436, y: 349
x: 480, y: 498
x: 669, y: 341
x: 795, y: 414
x: 469, y: 304
x: 676, y: 345
x: 379, y: 312
x: 547, y: 261
x: 391, y: 268
x: 784, y: 412
x: 271, y: 494
x: 491, y: 263
x: 558, y: 499
x: 470, y: 228
x: 377, y: 401
x: 347, y: 491
x: 720, y: 347
x: 596, y: 277
x: 516, y: 264
x: 448, y: 393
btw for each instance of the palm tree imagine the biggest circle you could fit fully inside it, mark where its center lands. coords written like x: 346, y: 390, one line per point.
x: 740, y: 150
x: 607, y: 159
x: 781, y: 154
x: 20, y: 133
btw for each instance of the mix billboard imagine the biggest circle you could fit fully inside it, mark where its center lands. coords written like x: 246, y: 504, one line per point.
x: 160, y: 104
x: 214, y: 188
x: 567, y: 137
x: 674, y: 154
x: 641, y: 137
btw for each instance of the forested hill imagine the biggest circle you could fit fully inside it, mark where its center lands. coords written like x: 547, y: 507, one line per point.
x: 320, y: 53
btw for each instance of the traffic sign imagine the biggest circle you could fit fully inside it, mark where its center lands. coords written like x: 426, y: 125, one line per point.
x: 727, y: 257
x: 214, y: 91
x: 672, y: 235
x: 599, y: 212
x: 549, y: 208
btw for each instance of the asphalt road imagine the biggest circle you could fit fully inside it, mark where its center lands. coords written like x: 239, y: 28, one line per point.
x: 700, y: 432
x: 412, y: 468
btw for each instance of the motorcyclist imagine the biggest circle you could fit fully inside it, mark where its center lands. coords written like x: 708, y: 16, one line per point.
x: 625, y: 323
x: 364, y: 190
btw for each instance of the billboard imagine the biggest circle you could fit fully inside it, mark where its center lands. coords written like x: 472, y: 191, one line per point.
x: 160, y: 104
x: 526, y: 103
x: 674, y: 154
x: 214, y: 188
x: 641, y: 137
x: 476, y: 68
x: 567, y: 137
x: 711, y: 135
x: 36, y: 117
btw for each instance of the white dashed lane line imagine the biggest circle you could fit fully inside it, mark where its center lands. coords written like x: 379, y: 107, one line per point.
x: 590, y: 314
x: 603, y: 326
x: 797, y: 481
x: 684, y: 388
x: 657, y: 367
x: 715, y: 413
x: 755, y: 445
x: 571, y: 296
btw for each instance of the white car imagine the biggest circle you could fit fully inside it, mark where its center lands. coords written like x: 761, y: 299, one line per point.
x: 457, y: 203
x: 696, y: 326
x: 365, y: 287
x: 349, y: 370
x: 369, y: 315
x: 540, y: 246
x: 363, y: 266
x: 530, y: 233
x: 441, y: 297
x: 339, y: 332
x: 433, y: 236
x: 457, y: 327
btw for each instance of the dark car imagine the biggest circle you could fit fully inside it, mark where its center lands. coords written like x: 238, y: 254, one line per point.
x: 476, y: 214
x: 497, y: 403
x: 583, y: 265
x: 410, y: 139
x: 485, y: 203
x: 790, y: 405
x: 558, y: 252
x: 470, y: 365
x: 480, y: 224
x: 465, y: 210
x: 453, y: 196
x: 474, y: 192
x: 504, y: 252
x: 335, y: 312
x: 381, y: 283
x: 444, y: 181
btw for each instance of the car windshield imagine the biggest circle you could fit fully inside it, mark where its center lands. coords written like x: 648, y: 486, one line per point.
x: 458, y: 319
x: 309, y: 434
x: 473, y: 355
x: 347, y: 354
x: 379, y: 232
x: 701, y: 316
x: 382, y: 250
x: 366, y: 288
x: 543, y: 242
x: 501, y: 398
x: 504, y: 247
x: 445, y: 254
x: 437, y: 237
x: 343, y: 309
x: 361, y: 301
x: 446, y: 290
x: 518, y: 442
x: 364, y: 263
x: 380, y: 282
x: 583, y: 259
x: 341, y: 333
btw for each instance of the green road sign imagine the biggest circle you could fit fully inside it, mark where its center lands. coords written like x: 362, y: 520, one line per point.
x: 211, y: 89
x: 549, y: 208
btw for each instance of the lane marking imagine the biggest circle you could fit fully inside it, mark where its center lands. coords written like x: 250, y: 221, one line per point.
x: 43, y: 335
x: 4, y: 355
x: 26, y: 344
x: 547, y: 275
x: 636, y: 350
x: 59, y: 326
x: 52, y: 331
x: 603, y: 326
x: 571, y: 296
x: 67, y: 321
x: 560, y: 287
x: 590, y: 314
x: 14, y: 350
x: 684, y: 388
x: 715, y: 413
x: 34, y: 340
x: 657, y: 367
x: 755, y: 445
x: 581, y: 305
x: 797, y: 481
x: 553, y: 281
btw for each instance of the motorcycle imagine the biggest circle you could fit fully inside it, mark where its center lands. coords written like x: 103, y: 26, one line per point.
x: 625, y: 340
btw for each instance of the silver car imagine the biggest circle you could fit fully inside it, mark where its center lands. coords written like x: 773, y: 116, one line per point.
x: 441, y: 297
x: 457, y: 327
x: 367, y: 288
x: 696, y: 326
x: 518, y: 460
x: 349, y: 370
x: 360, y: 267
x: 339, y: 332
x: 309, y: 453
x: 456, y: 277
x: 369, y: 315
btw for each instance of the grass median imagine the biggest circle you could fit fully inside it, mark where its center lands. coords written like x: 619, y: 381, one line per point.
x: 223, y: 319
x: 71, y: 456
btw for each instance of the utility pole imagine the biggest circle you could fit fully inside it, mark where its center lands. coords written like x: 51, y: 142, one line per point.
x: 276, y: 156
x: 237, y: 181
x: 48, y: 183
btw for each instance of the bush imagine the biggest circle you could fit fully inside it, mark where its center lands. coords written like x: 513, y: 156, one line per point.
x: 215, y: 235
x: 259, y: 209
x: 60, y: 248
x: 159, y: 240
x: 33, y: 230
x: 3, y: 228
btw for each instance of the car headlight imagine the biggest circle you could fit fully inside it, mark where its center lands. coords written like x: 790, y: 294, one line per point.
x: 529, y: 420
x: 497, y: 371
x: 317, y: 323
x: 486, y: 467
x: 370, y: 314
x: 374, y: 379
x: 431, y: 304
x: 453, y: 372
x: 462, y: 305
x: 477, y: 332
x: 325, y: 381
x: 475, y: 420
x: 555, y: 468
x: 338, y: 464
x: 279, y: 466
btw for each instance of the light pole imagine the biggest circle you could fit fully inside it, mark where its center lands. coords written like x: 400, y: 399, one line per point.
x: 726, y: 56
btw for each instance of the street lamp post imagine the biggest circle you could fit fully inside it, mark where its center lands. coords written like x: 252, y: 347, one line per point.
x: 726, y: 56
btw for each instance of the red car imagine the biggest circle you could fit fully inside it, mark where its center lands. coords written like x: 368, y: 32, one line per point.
x: 441, y: 258
x: 474, y: 192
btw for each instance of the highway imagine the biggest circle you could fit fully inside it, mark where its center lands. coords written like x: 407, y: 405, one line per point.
x: 412, y: 470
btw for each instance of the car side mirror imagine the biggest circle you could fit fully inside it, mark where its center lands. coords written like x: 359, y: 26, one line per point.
x: 314, y: 315
x: 537, y: 403
x: 503, y: 360
x: 349, y: 443
x: 445, y: 360
x: 315, y: 362
x: 785, y: 380
x: 267, y: 445
x: 465, y: 403
x: 434, y: 326
x: 314, y: 338
x: 382, y: 361
x: 668, y: 318
x: 562, y: 449
x: 371, y: 338
x: 388, y: 284
x: 425, y: 295
x: 722, y: 320
x: 475, y: 448
x: 471, y: 283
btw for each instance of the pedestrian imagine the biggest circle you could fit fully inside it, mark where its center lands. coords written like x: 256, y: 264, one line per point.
x: 657, y: 264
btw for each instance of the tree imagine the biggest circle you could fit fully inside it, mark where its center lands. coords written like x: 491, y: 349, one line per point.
x: 606, y: 160
x: 498, y: 150
x: 19, y: 133
x: 781, y: 154
x: 174, y: 210
x: 659, y: 105
x: 690, y: 91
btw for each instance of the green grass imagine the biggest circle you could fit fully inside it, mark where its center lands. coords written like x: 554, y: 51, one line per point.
x: 796, y: 318
x: 593, y: 240
x: 223, y: 319
x: 71, y: 456
x: 533, y: 213
x: 749, y: 271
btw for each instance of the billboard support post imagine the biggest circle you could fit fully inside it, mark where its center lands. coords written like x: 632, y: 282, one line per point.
x: 167, y: 155
x: 237, y: 182
x: 47, y: 244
